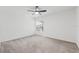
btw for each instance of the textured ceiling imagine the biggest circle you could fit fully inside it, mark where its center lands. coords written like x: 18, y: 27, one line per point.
x: 54, y: 9
x: 23, y: 9
x: 51, y: 9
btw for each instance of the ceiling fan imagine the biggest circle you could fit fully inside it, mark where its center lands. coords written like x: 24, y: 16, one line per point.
x: 37, y: 10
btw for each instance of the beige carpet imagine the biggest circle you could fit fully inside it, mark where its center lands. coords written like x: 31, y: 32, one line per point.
x: 38, y: 44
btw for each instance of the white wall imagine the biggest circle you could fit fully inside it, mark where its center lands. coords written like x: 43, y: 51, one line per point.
x: 78, y: 23
x: 61, y: 25
x: 14, y: 23
x: 77, y: 12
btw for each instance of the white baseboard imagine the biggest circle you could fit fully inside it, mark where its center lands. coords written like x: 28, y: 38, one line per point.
x: 74, y: 41
x: 77, y: 43
x: 45, y: 35
x: 16, y: 38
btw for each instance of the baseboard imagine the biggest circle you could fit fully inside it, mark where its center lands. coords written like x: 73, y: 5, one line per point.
x: 17, y: 38
x: 77, y: 43
x: 73, y: 41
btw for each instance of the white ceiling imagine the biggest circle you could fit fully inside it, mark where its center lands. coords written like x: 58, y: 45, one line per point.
x: 23, y: 9
x: 54, y: 9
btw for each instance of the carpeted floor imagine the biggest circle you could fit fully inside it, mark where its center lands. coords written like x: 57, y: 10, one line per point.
x: 38, y: 44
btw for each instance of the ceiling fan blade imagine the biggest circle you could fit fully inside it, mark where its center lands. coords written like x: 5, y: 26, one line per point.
x: 36, y: 6
x: 42, y: 10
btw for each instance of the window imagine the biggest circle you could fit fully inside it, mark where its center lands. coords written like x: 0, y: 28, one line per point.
x: 39, y: 26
